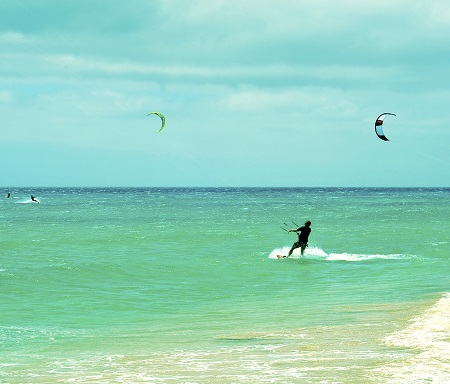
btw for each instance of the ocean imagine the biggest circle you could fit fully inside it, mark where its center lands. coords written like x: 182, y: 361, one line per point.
x: 182, y: 285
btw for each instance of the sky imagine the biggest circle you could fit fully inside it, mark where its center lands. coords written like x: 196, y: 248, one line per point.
x: 273, y: 93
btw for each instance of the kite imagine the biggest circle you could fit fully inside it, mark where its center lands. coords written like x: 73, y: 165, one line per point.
x: 379, y: 125
x: 163, y: 119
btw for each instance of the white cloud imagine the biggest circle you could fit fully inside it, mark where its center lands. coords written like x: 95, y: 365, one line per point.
x: 5, y: 97
x: 11, y: 37
x: 439, y: 13
x: 323, y: 101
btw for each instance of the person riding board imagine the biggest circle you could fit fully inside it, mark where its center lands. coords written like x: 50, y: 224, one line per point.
x: 302, y: 243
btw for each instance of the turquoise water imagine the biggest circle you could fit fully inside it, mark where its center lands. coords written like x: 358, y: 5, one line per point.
x: 183, y: 285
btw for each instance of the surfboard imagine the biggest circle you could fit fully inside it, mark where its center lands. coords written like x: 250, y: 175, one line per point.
x: 281, y: 256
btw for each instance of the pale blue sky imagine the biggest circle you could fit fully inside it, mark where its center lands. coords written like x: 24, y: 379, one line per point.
x: 255, y: 93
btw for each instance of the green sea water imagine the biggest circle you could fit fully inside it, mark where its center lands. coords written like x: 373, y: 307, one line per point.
x: 176, y: 285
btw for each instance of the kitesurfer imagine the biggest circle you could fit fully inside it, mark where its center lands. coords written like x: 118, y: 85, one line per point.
x: 9, y: 195
x: 34, y: 199
x: 303, y: 234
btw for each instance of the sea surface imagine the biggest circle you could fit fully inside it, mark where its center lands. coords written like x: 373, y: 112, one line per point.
x: 173, y: 285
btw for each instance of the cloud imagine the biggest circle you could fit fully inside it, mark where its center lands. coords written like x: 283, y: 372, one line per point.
x: 10, y: 37
x: 5, y: 97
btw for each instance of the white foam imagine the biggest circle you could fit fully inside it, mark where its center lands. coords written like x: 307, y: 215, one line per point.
x: 431, y: 329
x: 359, y: 257
x: 428, y: 340
x: 318, y: 253
x: 27, y: 202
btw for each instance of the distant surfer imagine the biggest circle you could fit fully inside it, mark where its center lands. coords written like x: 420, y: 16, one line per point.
x: 34, y: 199
x: 302, y: 243
x: 9, y: 195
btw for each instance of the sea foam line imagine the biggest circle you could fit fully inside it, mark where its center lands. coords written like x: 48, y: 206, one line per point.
x: 427, y: 340
x: 429, y: 330
x: 318, y: 253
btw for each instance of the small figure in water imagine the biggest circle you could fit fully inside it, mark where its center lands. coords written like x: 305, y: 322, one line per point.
x: 302, y: 243
x: 34, y: 199
x: 9, y: 195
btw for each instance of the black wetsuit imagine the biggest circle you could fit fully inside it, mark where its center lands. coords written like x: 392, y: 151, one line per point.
x: 303, y: 234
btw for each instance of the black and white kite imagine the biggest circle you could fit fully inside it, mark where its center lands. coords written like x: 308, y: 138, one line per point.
x: 379, y: 125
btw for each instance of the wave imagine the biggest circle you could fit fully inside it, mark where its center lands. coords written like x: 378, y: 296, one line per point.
x: 428, y: 340
x: 318, y: 253
x: 27, y: 202
x: 430, y: 328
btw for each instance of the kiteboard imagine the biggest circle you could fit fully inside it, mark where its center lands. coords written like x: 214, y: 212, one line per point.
x: 281, y: 257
